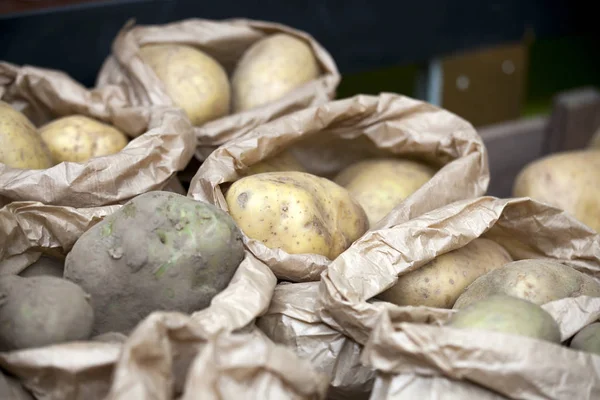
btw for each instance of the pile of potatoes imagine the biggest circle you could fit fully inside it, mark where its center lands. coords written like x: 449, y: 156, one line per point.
x: 490, y: 291
x: 160, y: 251
x: 268, y: 70
x: 74, y: 138
x: 281, y: 205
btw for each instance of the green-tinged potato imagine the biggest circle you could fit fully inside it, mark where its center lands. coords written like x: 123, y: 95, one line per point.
x: 587, y: 339
x: 379, y: 185
x: 42, y: 310
x: 507, y: 314
x: 569, y: 181
x: 11, y: 389
x: 78, y: 138
x: 20, y: 144
x: 440, y: 282
x: 297, y: 212
x: 284, y: 161
x: 270, y: 69
x: 160, y: 251
x: 195, y: 81
x: 538, y: 281
x: 44, y: 266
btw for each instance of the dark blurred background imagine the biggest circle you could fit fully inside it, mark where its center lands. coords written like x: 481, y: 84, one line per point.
x: 488, y: 61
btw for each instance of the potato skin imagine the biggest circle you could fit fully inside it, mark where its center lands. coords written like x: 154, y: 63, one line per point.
x: 196, y: 82
x: 270, y: 69
x: 284, y: 161
x: 44, y: 266
x: 78, y: 138
x: 538, y: 281
x: 569, y: 181
x: 297, y: 212
x: 42, y: 310
x: 379, y: 185
x: 441, y: 281
x: 507, y: 314
x: 587, y: 339
x: 160, y: 251
x: 20, y: 144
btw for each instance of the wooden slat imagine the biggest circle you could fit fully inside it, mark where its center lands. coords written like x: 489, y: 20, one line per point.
x: 511, y: 146
x: 575, y: 117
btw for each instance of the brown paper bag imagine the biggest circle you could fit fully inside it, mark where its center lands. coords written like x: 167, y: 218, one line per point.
x: 329, y: 137
x: 527, y: 229
x: 146, y: 163
x: 292, y: 321
x: 226, y: 41
x: 412, y: 386
x: 156, y: 357
x: 514, y: 366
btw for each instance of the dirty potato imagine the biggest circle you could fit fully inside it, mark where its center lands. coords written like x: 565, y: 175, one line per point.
x: 78, y: 138
x: 569, y: 181
x: 297, y: 212
x: 440, y: 282
x: 538, y: 281
x: 42, y: 310
x: 284, y: 161
x: 270, y: 69
x: 195, y: 81
x: 44, y: 266
x: 507, y: 314
x: 20, y: 145
x: 379, y: 185
x: 160, y: 251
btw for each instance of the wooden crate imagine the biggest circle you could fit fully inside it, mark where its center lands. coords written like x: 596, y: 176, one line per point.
x: 574, y: 119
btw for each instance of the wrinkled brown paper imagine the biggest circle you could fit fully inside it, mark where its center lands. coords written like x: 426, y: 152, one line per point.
x: 292, y: 321
x: 329, y: 137
x: 468, y: 360
x: 226, y: 41
x: 146, y: 163
x: 216, y: 351
x: 406, y: 341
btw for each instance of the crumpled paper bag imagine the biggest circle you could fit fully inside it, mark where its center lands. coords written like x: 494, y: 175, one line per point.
x: 412, y: 386
x: 468, y: 360
x: 147, y: 163
x: 329, y: 137
x: 216, y: 351
x: 292, y: 320
x: 226, y: 41
x: 526, y: 228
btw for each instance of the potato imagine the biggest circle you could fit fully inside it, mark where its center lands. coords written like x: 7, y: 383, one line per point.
x: 379, y: 185
x: 569, y: 181
x: 538, y: 281
x: 78, y: 138
x: 11, y: 389
x: 42, y: 310
x: 297, y: 212
x: 160, y: 251
x: 284, y: 161
x: 44, y: 266
x: 587, y: 339
x: 440, y: 282
x: 507, y: 314
x: 270, y: 69
x: 20, y: 144
x: 196, y: 82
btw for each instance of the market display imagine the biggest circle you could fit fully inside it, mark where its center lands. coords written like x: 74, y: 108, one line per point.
x: 326, y: 249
